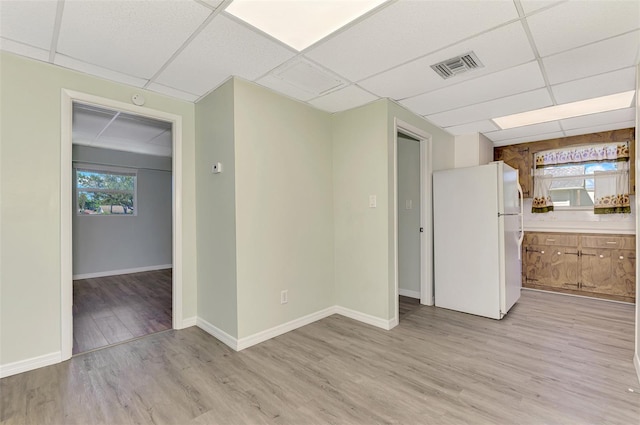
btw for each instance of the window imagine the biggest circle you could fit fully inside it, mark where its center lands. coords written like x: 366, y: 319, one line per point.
x: 595, y: 176
x: 105, y: 191
x: 573, y: 185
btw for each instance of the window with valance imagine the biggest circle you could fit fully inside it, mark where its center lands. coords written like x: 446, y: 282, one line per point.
x: 595, y: 176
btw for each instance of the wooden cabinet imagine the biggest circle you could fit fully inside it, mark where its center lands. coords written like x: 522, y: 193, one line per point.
x: 602, y: 266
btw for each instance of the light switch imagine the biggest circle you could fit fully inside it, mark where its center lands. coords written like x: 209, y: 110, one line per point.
x: 372, y: 201
x: 408, y: 204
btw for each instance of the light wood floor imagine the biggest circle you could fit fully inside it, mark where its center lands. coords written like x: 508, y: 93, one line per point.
x: 553, y: 360
x: 407, y: 306
x: 112, y: 309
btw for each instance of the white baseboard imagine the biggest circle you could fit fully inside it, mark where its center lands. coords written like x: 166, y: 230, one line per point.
x: 189, y: 321
x: 123, y: 271
x: 409, y: 293
x: 366, y: 318
x: 217, y: 333
x: 259, y: 337
x: 248, y: 341
x: 636, y: 362
x: 30, y: 364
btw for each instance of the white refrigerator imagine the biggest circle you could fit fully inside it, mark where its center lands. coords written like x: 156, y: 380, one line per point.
x: 478, y: 232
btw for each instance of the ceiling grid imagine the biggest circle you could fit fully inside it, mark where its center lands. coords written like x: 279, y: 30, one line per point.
x: 535, y: 54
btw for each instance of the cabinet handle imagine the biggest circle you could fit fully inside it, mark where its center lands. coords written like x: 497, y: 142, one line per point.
x: 559, y: 252
x: 601, y: 256
x: 621, y: 257
x: 542, y: 252
x: 551, y: 240
x: 611, y: 242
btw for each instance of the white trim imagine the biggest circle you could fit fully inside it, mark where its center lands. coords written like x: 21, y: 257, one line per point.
x: 122, y: 271
x: 30, y: 364
x: 262, y: 336
x: 367, y: 318
x: 66, y: 209
x: 636, y: 363
x: 217, y: 333
x: 187, y: 322
x: 409, y: 293
x: 251, y: 340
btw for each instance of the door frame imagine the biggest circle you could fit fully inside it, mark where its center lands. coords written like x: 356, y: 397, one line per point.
x: 426, y: 239
x: 66, y: 206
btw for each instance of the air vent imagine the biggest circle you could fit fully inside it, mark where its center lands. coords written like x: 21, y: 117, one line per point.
x: 458, y: 65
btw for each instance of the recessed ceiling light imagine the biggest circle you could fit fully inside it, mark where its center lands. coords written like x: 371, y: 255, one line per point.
x: 567, y: 110
x: 300, y: 23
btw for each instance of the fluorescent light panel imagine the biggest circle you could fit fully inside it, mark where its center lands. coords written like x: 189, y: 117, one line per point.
x: 567, y: 110
x: 300, y: 23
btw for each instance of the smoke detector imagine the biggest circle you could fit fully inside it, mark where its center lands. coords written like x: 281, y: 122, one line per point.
x: 457, y: 65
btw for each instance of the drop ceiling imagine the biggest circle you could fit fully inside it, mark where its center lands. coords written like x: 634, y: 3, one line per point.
x: 105, y: 128
x: 535, y: 54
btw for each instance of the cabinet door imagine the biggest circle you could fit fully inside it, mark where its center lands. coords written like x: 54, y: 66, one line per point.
x: 624, y: 271
x: 608, y: 271
x: 596, y: 270
x: 551, y: 266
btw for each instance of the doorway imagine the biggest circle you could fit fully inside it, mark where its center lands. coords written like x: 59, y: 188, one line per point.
x: 121, y: 226
x: 409, y: 224
x: 413, y: 228
x: 171, y: 279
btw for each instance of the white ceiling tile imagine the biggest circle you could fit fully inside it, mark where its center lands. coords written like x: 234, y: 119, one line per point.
x: 406, y: 30
x: 29, y: 22
x: 133, y: 37
x: 603, y: 118
x: 164, y: 139
x: 417, y: 77
x: 88, y: 122
x: 179, y: 94
x: 599, y: 128
x: 578, y: 22
x: 308, y: 76
x: 126, y: 130
x: 609, y: 55
x: 343, y: 99
x: 597, y: 86
x: 282, y: 86
x: 77, y: 65
x: 526, y: 139
x: 532, y: 5
x: 474, y: 127
x: 492, y: 109
x: 212, y: 3
x: 24, y: 50
x: 526, y: 131
x: 511, y: 81
x: 223, y: 48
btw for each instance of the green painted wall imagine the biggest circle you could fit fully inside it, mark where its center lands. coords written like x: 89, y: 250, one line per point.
x: 216, y: 209
x: 284, y: 208
x: 360, y: 169
x: 30, y: 199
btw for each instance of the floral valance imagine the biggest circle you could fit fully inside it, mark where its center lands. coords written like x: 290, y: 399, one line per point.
x: 581, y: 154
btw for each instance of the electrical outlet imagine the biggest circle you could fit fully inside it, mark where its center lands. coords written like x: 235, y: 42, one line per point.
x: 284, y: 297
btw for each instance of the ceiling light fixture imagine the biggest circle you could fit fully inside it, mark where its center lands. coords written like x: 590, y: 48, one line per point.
x: 567, y: 110
x: 300, y: 23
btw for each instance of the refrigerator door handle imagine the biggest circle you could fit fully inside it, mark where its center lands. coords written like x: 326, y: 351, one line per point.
x: 521, y: 238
